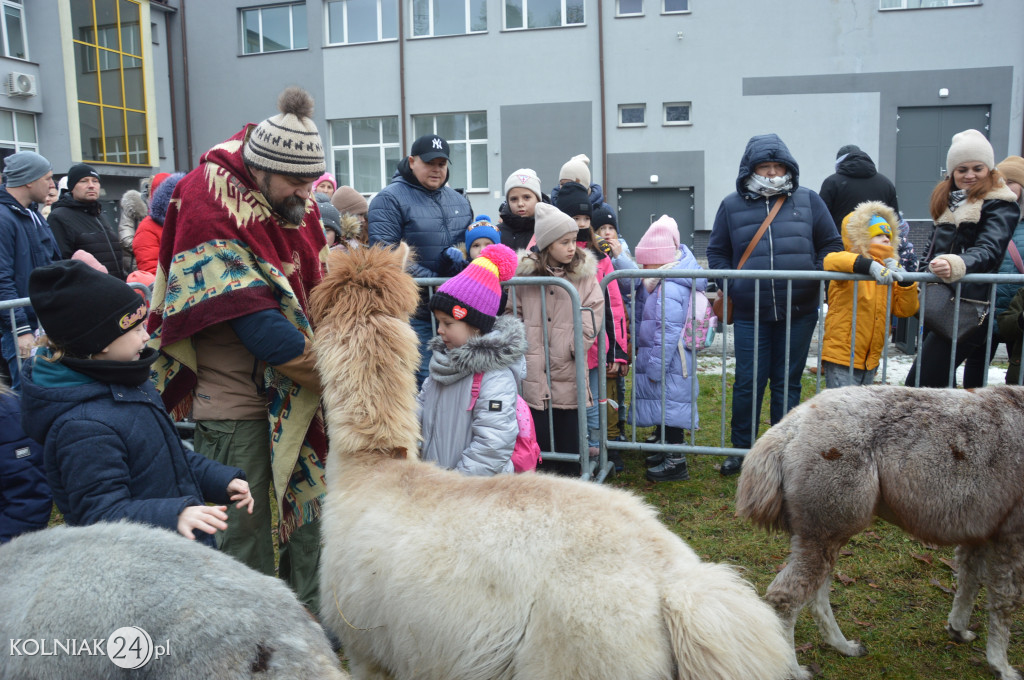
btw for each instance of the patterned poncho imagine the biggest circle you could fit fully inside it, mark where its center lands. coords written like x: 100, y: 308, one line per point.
x: 224, y: 254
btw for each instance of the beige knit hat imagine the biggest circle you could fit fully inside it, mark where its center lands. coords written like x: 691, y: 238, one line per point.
x: 970, y: 145
x: 523, y: 178
x: 348, y: 201
x: 576, y: 169
x: 551, y: 224
x: 288, y: 143
x: 1012, y: 168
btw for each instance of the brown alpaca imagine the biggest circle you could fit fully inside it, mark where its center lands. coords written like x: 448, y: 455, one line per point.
x: 943, y: 464
x: 431, y: 575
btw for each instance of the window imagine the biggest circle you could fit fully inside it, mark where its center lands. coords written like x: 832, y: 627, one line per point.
x: 110, y: 88
x: 13, y: 27
x: 677, y: 113
x: 17, y: 133
x: 542, y: 13
x: 361, y: 21
x: 274, y: 28
x: 918, y: 4
x: 448, y: 17
x: 625, y: 8
x: 365, y: 152
x: 632, y: 115
x: 466, y: 134
x: 673, y: 6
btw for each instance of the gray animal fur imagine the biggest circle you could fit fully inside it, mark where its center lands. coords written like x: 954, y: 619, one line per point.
x: 943, y: 464
x: 223, y: 620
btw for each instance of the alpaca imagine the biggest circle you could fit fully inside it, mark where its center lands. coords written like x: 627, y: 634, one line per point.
x: 433, y: 575
x: 214, y: 617
x: 942, y: 464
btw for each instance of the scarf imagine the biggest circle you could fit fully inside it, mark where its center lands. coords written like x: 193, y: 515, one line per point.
x: 131, y: 373
x: 652, y: 284
x: 770, y: 186
x: 224, y: 254
x: 956, y: 198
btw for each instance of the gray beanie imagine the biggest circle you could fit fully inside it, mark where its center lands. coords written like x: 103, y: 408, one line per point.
x: 551, y: 224
x: 24, y: 167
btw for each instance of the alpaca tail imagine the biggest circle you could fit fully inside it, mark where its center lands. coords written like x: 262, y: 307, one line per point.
x: 759, y: 493
x: 721, y: 630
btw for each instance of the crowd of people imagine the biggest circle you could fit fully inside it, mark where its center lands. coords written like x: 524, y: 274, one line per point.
x: 233, y: 249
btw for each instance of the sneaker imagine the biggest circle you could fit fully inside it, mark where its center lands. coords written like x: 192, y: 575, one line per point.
x: 731, y: 466
x: 670, y: 470
x: 655, y: 459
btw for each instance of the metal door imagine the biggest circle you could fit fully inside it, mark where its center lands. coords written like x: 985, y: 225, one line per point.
x: 923, y: 136
x: 639, y: 208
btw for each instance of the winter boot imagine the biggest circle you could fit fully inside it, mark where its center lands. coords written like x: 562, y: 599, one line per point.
x: 655, y: 459
x: 670, y: 470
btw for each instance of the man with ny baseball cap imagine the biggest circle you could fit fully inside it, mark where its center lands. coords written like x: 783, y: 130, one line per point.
x: 26, y: 242
x: 419, y: 208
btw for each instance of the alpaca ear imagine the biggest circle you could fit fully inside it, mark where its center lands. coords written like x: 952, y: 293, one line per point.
x: 406, y: 253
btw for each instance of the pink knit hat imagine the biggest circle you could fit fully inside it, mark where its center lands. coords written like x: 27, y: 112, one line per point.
x: 327, y: 177
x: 474, y: 294
x: 660, y: 244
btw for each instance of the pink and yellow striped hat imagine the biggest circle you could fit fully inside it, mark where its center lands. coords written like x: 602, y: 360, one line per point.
x: 474, y: 295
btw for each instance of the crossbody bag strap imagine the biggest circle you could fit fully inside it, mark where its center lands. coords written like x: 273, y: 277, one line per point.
x: 1015, y: 256
x: 760, y: 232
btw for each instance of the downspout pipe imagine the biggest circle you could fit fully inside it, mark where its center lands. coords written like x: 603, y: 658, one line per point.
x: 185, y: 80
x: 604, y: 116
x: 401, y: 78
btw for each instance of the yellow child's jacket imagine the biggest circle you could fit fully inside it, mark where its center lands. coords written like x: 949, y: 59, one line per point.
x: 872, y: 297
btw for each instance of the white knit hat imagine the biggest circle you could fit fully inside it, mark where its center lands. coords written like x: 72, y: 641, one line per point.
x: 970, y: 145
x: 551, y: 224
x: 524, y: 178
x: 288, y: 143
x: 576, y: 169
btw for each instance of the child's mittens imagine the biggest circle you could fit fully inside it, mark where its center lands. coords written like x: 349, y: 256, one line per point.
x: 882, y: 274
x: 452, y: 261
x: 895, y: 267
x: 604, y: 246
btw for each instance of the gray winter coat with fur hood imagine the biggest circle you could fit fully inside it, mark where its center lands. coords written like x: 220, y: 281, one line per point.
x: 479, y: 441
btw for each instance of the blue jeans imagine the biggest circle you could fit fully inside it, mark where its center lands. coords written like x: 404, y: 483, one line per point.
x: 425, y: 332
x: 9, y: 350
x: 594, y: 376
x: 771, y: 358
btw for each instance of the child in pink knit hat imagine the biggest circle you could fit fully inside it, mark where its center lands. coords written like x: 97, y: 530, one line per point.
x: 473, y: 436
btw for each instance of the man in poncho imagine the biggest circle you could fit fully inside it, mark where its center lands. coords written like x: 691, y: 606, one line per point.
x: 242, y: 248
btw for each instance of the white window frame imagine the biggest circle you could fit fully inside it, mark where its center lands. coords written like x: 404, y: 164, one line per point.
x: 675, y: 11
x: 291, y: 27
x: 673, y: 123
x: 464, y: 140
x: 430, y: 19
x: 526, y: 17
x: 347, y: 148
x: 16, y: 145
x: 641, y: 106
x: 344, y: 8
x: 620, y: 13
x: 18, y: 5
x: 916, y: 4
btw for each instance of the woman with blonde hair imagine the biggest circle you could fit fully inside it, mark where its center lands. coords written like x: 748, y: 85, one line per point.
x: 974, y: 214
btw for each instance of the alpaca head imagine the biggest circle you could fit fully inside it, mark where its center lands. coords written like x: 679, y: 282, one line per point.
x: 365, y: 281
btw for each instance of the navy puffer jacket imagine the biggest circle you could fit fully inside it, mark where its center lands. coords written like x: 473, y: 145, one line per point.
x: 428, y: 221
x: 798, y: 239
x: 111, y: 451
x: 25, y: 498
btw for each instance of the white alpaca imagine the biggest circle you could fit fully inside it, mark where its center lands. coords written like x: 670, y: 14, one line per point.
x: 428, y: 574
x: 215, y: 617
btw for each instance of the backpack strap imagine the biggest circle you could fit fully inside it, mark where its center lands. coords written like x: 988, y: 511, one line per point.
x: 474, y: 393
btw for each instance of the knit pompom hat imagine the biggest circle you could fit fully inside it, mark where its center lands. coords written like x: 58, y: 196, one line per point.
x: 660, y: 243
x: 576, y: 169
x: 551, y: 224
x: 523, y: 178
x: 1012, y: 168
x: 970, y: 145
x: 474, y: 294
x: 288, y: 143
x: 348, y: 201
x: 327, y: 177
x: 573, y: 199
x: 81, y: 309
x: 481, y: 228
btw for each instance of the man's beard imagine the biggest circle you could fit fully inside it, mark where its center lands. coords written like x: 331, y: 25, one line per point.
x: 292, y: 209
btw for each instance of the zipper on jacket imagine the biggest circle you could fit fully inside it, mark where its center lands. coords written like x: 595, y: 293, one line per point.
x: 771, y: 259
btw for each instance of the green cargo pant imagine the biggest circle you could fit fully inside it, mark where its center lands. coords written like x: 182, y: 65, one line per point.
x: 245, y: 444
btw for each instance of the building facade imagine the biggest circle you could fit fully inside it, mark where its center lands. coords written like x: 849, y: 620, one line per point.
x: 662, y: 95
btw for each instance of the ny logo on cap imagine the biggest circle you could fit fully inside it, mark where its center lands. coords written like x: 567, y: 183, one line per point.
x: 438, y: 143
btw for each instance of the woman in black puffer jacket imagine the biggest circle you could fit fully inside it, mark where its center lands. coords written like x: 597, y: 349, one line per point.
x: 974, y: 215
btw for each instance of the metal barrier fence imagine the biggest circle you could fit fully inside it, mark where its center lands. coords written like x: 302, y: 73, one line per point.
x: 726, y: 275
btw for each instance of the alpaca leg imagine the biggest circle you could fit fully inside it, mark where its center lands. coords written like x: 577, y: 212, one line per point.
x: 1003, y: 573
x: 821, y: 610
x: 970, y: 562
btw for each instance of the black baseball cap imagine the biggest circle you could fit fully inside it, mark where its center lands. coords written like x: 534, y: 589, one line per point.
x: 429, y: 147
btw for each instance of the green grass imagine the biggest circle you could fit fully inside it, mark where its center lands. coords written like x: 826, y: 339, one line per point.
x: 889, y: 591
